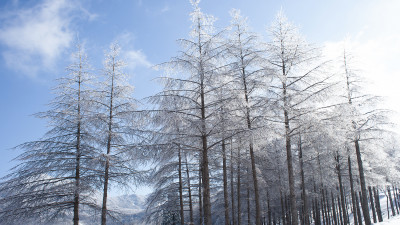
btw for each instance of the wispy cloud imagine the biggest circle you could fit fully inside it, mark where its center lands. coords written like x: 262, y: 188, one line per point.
x: 136, y: 58
x: 35, y: 37
x: 133, y: 57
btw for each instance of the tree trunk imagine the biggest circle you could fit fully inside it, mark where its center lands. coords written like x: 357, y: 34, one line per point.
x: 181, y: 212
x: 395, y: 199
x: 239, y: 209
x: 391, y: 201
x: 105, y: 192
x: 364, y: 200
x: 287, y: 209
x: 378, y: 205
x: 387, y: 205
x: 283, y: 210
x: 200, y: 196
x: 206, y: 183
x: 189, y: 191
x: 269, y: 210
x: 353, y: 200
x: 335, y: 220
x: 347, y: 207
x: 306, y: 220
x: 248, y: 199
x: 317, y: 217
x: 327, y: 206
x: 339, y: 172
x: 317, y: 212
x: 314, y: 216
x: 340, y: 211
x: 324, y: 221
x: 255, y: 184
x: 77, y: 182
x: 232, y: 190
x: 289, y: 159
x: 358, y: 210
x: 372, y: 203
x: 225, y: 178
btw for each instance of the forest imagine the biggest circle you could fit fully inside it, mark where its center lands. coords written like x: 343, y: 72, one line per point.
x: 245, y: 130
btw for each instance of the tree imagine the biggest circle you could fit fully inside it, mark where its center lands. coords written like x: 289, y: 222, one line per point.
x: 117, y: 126
x: 197, y: 90
x: 56, y: 175
x: 247, y: 72
x: 172, y: 145
x: 296, y: 65
x: 363, y: 120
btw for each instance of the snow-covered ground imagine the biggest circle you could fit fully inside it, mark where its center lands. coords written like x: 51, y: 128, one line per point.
x: 392, y: 221
x: 384, y: 208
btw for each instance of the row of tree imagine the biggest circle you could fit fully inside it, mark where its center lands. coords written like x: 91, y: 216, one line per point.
x: 243, y: 130
x: 250, y: 128
x: 89, y: 145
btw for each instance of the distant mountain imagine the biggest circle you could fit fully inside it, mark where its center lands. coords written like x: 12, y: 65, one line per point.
x: 131, y: 206
x: 131, y: 209
x: 127, y: 204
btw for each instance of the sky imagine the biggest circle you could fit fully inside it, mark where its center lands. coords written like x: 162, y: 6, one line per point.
x: 37, y: 38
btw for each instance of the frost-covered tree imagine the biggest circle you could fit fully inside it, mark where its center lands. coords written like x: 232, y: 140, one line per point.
x: 172, y: 176
x: 364, y: 122
x: 244, y: 51
x: 118, y: 128
x: 298, y: 85
x: 56, y: 177
x: 198, y: 66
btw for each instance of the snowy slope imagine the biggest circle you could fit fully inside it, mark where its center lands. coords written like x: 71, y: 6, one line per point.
x: 127, y: 204
x: 392, y: 221
x: 384, y: 207
x: 131, y: 209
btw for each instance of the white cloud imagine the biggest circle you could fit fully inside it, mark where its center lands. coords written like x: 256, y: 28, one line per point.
x: 35, y: 37
x: 133, y: 57
x: 136, y: 58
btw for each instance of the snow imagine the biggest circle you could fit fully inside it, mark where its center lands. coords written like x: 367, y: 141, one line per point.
x: 392, y: 221
x: 384, y: 208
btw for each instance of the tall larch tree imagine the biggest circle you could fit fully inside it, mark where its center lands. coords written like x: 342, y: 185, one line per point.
x: 198, y: 66
x: 117, y: 126
x: 56, y: 175
x: 298, y: 84
x: 244, y: 51
x: 365, y: 122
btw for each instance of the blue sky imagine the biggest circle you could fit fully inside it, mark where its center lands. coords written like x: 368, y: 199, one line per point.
x: 37, y: 38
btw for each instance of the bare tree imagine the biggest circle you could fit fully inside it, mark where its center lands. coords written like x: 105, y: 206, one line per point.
x: 55, y: 176
x: 198, y: 60
x: 117, y: 126
x: 244, y: 50
x: 364, y: 123
x: 295, y: 65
